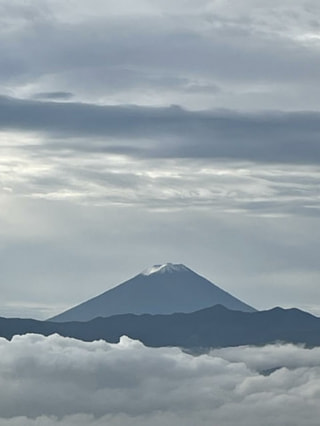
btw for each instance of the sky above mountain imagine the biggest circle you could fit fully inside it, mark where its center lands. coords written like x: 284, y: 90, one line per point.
x: 135, y: 133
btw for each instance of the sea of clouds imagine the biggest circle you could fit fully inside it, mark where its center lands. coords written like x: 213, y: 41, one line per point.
x: 53, y: 380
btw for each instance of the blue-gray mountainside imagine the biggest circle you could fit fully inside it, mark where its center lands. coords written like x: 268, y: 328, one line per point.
x: 161, y: 289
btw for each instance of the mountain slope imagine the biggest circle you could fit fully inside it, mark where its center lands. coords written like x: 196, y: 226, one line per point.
x: 161, y: 289
x: 208, y: 328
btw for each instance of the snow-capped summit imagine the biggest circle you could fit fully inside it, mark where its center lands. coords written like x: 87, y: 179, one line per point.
x: 160, y: 289
x: 166, y: 267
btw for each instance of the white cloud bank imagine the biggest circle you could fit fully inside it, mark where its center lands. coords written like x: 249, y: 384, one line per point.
x: 61, y: 381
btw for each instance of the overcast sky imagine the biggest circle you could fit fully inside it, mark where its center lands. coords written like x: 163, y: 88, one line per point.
x: 139, y: 132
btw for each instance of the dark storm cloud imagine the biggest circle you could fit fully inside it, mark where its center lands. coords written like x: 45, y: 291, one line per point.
x: 170, y: 132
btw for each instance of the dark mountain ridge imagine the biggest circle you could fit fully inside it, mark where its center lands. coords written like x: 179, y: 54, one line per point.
x: 211, y: 327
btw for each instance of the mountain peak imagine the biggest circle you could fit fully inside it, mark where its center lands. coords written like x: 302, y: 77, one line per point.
x: 165, y: 268
x: 161, y: 289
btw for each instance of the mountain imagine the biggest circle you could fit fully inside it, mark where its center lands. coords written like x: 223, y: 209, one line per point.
x: 161, y: 289
x: 212, y: 327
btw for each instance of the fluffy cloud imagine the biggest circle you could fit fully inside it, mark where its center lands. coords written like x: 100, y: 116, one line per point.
x: 56, y: 380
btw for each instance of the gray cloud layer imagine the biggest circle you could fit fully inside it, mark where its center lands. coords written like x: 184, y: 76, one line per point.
x: 62, y: 381
x: 252, y: 56
x: 170, y: 132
